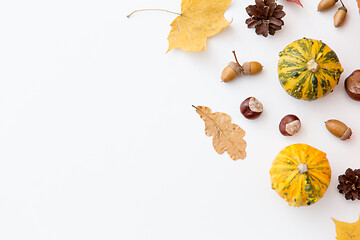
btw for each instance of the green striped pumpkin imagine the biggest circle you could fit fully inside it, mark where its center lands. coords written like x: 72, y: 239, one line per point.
x: 300, y: 174
x: 308, y: 69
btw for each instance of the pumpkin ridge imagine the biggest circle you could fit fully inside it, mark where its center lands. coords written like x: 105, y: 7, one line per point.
x: 318, y: 178
x: 319, y: 51
x: 291, y: 73
x: 321, y: 185
x: 297, y: 58
x: 298, y: 87
x: 288, y: 186
x: 311, y: 161
x: 304, y: 49
x: 290, y: 177
x: 287, y: 158
x: 295, y: 52
x: 330, y: 56
x: 310, y: 43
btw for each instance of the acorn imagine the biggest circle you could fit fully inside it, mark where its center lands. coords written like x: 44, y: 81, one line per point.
x: 326, y: 4
x: 252, y: 68
x: 340, y: 15
x: 234, y: 69
x: 338, y: 129
x: 231, y: 71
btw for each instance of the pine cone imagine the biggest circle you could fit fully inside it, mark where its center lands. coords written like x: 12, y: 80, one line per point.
x: 349, y: 184
x: 265, y: 17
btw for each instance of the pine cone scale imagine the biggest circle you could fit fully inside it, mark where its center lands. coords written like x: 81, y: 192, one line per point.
x: 275, y: 27
x: 278, y: 14
x: 262, y: 29
x: 276, y: 21
x: 260, y: 3
x: 252, y: 23
x: 279, y: 7
x: 272, y: 31
x: 251, y: 10
x: 272, y: 9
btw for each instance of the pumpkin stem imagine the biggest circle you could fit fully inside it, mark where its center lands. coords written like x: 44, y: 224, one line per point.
x: 312, y: 66
x: 302, y: 168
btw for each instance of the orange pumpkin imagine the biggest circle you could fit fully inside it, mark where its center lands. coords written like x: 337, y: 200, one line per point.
x: 300, y: 174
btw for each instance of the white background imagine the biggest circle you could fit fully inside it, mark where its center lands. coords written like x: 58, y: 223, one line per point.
x: 98, y: 139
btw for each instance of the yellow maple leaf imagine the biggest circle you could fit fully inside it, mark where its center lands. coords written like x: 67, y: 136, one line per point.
x: 227, y: 136
x: 199, y: 19
x: 347, y: 231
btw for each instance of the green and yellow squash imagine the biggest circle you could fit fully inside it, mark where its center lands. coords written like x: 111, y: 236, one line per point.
x: 300, y: 174
x: 308, y: 69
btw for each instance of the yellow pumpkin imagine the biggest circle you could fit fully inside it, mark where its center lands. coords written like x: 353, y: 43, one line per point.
x: 308, y: 69
x: 300, y: 174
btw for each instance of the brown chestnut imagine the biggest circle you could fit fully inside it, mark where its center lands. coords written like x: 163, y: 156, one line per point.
x: 251, y: 108
x: 289, y: 125
x: 352, y: 85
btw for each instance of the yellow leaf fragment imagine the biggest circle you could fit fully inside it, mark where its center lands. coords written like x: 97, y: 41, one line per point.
x: 227, y: 136
x: 347, y: 231
x: 199, y: 19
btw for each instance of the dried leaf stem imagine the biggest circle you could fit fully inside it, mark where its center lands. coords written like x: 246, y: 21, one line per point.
x: 152, y: 9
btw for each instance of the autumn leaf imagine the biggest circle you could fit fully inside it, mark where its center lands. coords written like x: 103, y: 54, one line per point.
x: 298, y: 2
x: 199, y: 19
x: 347, y: 231
x: 227, y: 136
x: 358, y: 2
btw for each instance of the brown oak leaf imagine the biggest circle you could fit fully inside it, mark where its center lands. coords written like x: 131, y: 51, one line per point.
x: 298, y: 2
x: 227, y: 136
x: 347, y: 231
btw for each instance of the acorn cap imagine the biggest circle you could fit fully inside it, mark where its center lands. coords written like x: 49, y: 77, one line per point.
x: 347, y: 134
x: 247, y: 68
x: 343, y: 8
x: 237, y: 68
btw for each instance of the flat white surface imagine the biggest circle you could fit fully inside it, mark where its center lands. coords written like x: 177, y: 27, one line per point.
x: 98, y: 139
